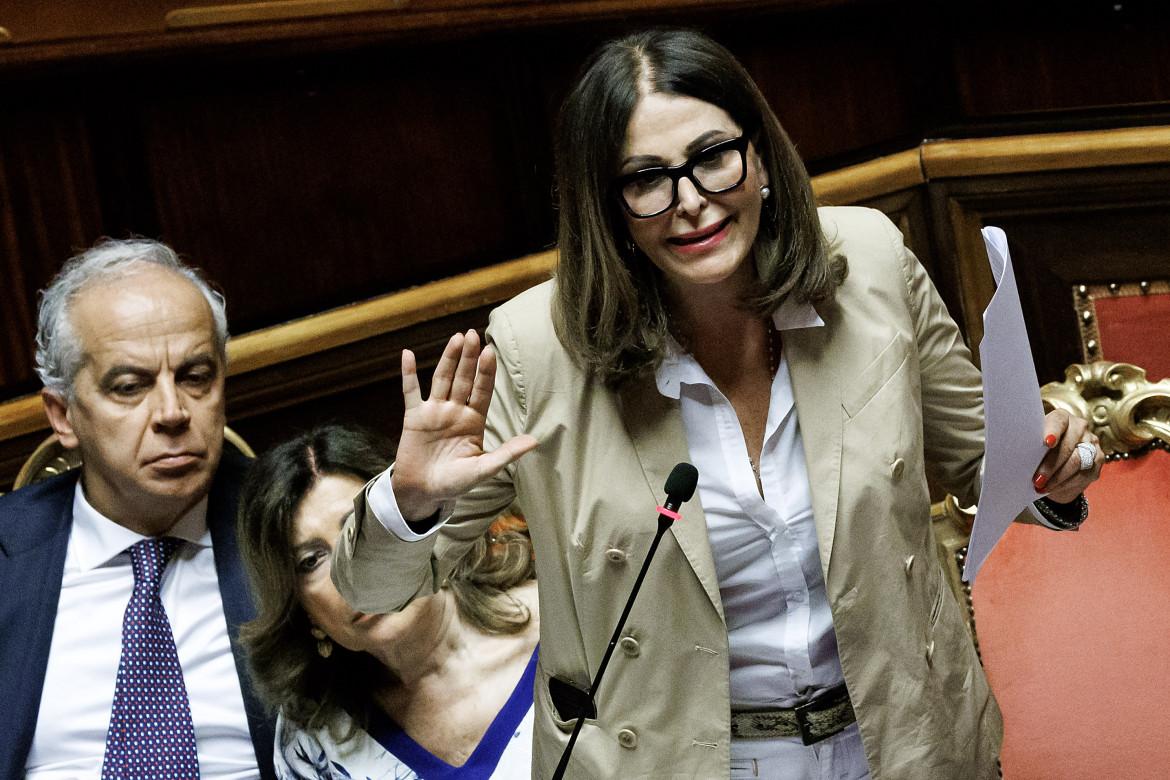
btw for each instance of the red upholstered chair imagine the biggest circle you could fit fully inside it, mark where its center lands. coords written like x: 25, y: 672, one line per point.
x: 1073, y: 627
x: 1126, y: 322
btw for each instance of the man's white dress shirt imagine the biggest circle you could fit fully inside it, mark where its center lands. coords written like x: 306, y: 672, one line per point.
x: 78, y: 694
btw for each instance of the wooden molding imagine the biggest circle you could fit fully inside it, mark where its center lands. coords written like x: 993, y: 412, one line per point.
x: 315, y: 25
x: 1046, y: 152
x: 871, y: 179
x: 275, y: 11
x: 349, y: 324
x: 22, y: 416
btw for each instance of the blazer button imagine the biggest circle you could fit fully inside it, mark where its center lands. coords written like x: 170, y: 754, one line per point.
x: 897, y: 468
x: 615, y: 555
x: 909, y: 564
x: 349, y: 532
x: 930, y: 653
x: 630, y: 646
x: 628, y: 739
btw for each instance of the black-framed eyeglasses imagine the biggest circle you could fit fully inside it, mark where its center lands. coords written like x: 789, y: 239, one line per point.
x: 652, y: 191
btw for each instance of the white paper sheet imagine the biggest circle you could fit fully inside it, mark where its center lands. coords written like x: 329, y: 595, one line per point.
x: 1013, y: 409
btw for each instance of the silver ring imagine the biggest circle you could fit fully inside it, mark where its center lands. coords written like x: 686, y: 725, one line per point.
x: 1088, y: 454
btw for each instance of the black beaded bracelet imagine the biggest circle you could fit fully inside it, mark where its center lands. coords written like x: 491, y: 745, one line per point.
x: 1064, y: 516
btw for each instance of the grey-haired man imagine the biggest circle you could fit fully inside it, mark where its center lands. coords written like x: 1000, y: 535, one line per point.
x: 131, y: 348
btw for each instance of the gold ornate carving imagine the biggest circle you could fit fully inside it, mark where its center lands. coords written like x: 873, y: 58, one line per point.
x: 5, y: 36
x: 1128, y: 413
x: 47, y: 460
x: 274, y: 11
x: 952, y: 529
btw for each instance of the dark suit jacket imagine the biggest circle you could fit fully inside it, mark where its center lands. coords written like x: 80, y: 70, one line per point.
x: 34, y: 533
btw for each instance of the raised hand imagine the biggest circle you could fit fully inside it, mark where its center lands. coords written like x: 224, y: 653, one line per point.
x: 440, y: 454
x: 1060, y: 474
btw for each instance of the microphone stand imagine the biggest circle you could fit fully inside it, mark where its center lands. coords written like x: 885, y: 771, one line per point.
x: 665, y: 520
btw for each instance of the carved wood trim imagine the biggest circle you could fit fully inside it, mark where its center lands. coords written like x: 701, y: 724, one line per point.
x: 22, y: 416
x: 1127, y: 412
x: 204, y: 28
x: 347, y: 325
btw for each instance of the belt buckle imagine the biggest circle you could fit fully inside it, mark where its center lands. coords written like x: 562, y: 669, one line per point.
x: 822, y: 702
x: 806, y: 735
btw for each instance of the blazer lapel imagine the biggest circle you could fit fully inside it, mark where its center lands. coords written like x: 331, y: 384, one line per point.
x: 816, y: 389
x: 221, y: 521
x: 655, y: 427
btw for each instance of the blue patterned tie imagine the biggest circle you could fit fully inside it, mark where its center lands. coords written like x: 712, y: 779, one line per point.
x: 151, y: 735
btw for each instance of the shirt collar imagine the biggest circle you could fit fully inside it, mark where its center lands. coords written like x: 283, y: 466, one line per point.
x: 792, y: 315
x: 679, y: 367
x: 97, y: 539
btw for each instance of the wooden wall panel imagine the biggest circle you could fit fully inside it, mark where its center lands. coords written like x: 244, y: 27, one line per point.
x: 310, y: 187
x: 839, y: 82
x: 1045, y: 56
x: 47, y: 209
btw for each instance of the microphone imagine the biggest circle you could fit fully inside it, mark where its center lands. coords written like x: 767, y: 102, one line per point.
x: 680, y: 486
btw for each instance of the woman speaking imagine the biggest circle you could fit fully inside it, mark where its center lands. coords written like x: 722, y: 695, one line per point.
x: 795, y: 623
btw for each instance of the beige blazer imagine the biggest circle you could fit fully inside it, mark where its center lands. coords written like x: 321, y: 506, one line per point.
x: 885, y: 393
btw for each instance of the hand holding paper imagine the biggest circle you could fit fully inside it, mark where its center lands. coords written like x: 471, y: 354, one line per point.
x: 1014, y: 412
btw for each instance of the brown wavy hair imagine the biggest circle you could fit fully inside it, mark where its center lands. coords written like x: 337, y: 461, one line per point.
x: 290, y: 676
x: 608, y: 309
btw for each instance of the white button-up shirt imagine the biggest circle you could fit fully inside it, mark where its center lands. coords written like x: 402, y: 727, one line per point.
x: 78, y: 693
x: 779, y: 627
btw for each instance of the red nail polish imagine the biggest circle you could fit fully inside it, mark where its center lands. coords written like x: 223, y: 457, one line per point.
x: 1040, y: 481
x: 1050, y: 440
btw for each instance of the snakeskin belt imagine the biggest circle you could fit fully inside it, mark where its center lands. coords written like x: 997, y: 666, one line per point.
x: 812, y: 721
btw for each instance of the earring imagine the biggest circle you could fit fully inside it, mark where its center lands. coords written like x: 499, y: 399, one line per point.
x: 768, y: 213
x: 324, y: 643
x: 632, y: 248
